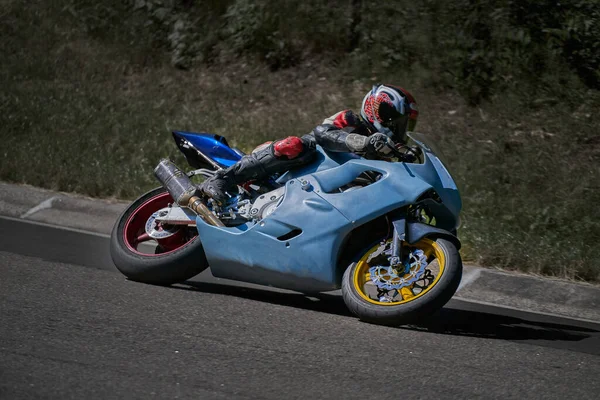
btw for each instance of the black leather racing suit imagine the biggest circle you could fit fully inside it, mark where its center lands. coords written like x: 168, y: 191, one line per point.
x: 263, y: 162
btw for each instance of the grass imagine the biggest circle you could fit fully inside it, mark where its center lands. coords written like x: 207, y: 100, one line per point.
x: 93, y: 114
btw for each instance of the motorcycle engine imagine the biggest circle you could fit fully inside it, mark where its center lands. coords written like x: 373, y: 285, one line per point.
x: 262, y: 206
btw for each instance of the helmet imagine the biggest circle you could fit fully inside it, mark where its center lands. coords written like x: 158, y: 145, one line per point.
x: 390, y: 110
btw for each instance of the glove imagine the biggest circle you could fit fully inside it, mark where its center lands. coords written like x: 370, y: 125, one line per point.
x: 376, y: 144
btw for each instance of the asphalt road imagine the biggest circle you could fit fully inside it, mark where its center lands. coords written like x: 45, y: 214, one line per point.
x: 72, y: 327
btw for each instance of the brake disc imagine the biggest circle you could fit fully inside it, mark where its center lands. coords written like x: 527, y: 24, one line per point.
x: 156, y: 230
x: 389, y: 278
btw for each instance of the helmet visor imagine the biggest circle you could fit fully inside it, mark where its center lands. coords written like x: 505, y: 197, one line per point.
x: 394, y: 121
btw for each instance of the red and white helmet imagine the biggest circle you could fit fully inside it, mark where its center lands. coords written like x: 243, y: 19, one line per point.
x: 390, y: 110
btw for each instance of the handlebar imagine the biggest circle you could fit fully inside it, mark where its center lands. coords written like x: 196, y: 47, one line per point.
x: 404, y: 157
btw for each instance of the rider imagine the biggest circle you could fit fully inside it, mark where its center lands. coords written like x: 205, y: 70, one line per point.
x: 387, y: 113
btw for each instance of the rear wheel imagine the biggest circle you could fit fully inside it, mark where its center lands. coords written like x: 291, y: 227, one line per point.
x: 146, y: 251
x: 426, y: 279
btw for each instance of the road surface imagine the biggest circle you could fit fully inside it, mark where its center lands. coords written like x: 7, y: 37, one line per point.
x: 72, y: 327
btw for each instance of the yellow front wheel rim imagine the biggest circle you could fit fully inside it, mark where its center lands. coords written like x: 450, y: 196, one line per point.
x: 362, y: 279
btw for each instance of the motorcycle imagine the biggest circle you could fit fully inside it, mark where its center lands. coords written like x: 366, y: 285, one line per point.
x: 384, y: 231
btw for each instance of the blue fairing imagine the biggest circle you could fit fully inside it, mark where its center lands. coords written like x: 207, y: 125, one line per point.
x: 261, y: 253
x: 214, y: 146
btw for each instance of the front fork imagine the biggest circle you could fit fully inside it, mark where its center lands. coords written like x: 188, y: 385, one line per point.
x: 412, y: 232
x: 399, y: 236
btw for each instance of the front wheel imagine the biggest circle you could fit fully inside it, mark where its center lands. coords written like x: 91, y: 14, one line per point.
x: 166, y: 255
x: 422, y: 283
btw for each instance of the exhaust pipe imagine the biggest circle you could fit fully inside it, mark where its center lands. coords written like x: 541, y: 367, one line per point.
x: 183, y: 191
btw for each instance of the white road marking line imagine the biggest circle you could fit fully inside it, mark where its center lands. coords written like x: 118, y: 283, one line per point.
x: 469, y: 278
x: 42, y: 206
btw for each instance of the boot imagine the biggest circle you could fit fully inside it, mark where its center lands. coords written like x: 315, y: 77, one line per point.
x: 220, y: 184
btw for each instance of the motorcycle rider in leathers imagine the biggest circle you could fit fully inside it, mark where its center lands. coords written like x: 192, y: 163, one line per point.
x: 386, y: 114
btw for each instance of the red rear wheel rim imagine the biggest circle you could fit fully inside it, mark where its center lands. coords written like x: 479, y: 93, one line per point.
x: 134, y: 232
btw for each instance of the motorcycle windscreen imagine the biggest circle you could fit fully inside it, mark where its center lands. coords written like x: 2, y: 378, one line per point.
x: 436, y: 157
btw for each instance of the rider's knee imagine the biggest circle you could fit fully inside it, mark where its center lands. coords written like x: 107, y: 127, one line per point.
x: 290, y: 147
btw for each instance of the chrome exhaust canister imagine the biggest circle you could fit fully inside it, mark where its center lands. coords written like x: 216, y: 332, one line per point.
x: 183, y: 191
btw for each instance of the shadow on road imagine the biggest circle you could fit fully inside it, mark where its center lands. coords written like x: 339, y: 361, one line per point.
x: 320, y: 302
x: 451, y: 320
x: 498, y: 326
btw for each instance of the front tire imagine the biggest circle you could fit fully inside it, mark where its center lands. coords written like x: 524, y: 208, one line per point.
x: 408, y: 303
x: 178, y: 258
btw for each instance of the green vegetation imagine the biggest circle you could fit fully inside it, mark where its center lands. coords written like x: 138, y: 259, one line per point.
x: 90, y: 91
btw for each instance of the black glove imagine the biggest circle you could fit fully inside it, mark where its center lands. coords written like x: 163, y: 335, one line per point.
x: 376, y: 144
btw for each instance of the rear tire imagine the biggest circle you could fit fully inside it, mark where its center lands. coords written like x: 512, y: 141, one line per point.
x: 162, y: 268
x: 393, y: 315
